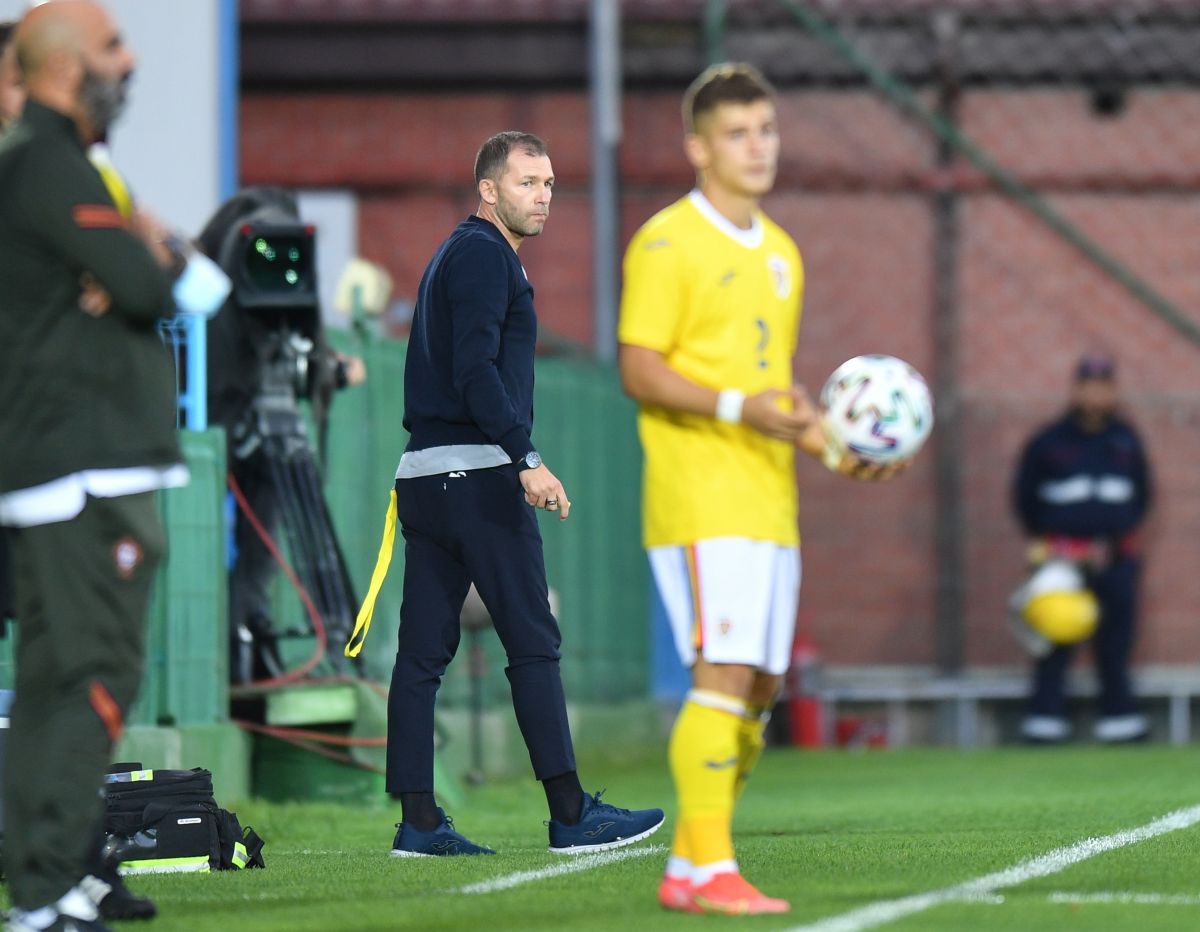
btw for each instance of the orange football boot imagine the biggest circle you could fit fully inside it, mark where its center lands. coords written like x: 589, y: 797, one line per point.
x: 730, y: 894
x: 676, y: 893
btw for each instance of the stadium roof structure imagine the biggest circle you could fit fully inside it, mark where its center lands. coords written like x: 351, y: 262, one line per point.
x: 482, y: 43
x: 539, y: 10
x: 454, y: 10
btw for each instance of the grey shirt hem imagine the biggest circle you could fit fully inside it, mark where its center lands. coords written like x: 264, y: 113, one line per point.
x: 454, y: 458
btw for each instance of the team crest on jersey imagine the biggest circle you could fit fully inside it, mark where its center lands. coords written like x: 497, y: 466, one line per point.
x: 781, y: 278
x: 127, y: 555
x: 724, y: 626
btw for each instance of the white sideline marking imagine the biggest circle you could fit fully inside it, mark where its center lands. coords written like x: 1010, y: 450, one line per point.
x: 885, y: 911
x: 989, y: 899
x: 1140, y: 899
x: 583, y: 862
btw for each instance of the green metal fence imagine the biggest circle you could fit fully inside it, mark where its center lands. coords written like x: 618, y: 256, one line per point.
x: 187, y: 656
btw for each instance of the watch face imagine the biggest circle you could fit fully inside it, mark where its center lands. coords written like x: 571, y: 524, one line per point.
x: 532, y: 460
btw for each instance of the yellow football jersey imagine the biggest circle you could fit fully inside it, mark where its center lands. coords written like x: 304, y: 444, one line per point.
x: 722, y: 305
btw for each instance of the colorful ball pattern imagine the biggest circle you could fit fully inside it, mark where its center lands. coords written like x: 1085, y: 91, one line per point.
x: 878, y: 408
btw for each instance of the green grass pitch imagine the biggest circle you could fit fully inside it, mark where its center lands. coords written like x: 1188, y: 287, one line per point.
x: 832, y: 831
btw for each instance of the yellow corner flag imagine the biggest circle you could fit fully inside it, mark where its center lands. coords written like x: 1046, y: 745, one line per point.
x: 362, y: 624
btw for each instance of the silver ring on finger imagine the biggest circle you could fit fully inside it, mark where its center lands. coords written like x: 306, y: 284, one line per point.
x: 552, y: 501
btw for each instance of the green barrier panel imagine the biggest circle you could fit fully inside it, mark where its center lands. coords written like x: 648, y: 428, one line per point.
x: 585, y: 429
x: 365, y: 443
x: 187, y: 652
x: 285, y: 772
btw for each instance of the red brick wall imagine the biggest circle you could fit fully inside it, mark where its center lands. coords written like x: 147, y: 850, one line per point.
x: 852, y: 192
x: 1029, y: 306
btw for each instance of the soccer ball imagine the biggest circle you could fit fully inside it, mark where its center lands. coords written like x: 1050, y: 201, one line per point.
x: 878, y: 408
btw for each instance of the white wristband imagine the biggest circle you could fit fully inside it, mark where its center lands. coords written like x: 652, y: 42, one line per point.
x: 729, y: 405
x: 831, y: 458
x: 835, y: 450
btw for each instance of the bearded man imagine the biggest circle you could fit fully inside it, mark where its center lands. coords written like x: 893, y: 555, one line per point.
x: 87, y: 429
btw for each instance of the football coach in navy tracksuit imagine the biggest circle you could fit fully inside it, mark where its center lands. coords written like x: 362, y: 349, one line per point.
x: 466, y: 489
x: 1082, y: 491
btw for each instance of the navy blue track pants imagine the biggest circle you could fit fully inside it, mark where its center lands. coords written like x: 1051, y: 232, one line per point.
x: 460, y: 528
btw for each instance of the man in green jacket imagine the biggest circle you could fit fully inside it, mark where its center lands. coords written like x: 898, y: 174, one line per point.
x: 87, y: 436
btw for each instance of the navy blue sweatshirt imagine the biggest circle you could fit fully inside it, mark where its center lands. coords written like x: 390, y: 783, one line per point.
x: 468, y: 378
x: 1082, y: 485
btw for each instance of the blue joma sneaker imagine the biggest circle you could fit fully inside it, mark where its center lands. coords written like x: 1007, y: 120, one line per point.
x: 442, y: 841
x: 601, y: 827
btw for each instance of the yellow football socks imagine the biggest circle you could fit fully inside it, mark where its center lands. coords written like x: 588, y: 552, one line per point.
x: 705, y: 762
x: 751, y: 740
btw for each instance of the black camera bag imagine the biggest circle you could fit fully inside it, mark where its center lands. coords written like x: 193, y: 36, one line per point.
x: 168, y: 821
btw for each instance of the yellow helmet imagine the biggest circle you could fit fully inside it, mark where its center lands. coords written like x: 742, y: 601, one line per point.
x: 1063, y: 617
x: 1056, y: 605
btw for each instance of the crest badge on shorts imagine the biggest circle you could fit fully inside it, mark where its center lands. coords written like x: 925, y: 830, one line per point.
x: 781, y: 277
x: 127, y: 556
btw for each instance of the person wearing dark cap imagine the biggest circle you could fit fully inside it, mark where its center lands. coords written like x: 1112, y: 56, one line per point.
x: 1081, y: 493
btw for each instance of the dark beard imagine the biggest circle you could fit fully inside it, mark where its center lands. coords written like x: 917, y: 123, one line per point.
x: 102, y: 100
x: 511, y: 219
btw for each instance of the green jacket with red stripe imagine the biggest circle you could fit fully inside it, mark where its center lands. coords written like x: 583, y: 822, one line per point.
x: 77, y: 392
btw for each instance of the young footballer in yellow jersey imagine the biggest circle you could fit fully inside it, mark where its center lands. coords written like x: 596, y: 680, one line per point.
x: 709, y: 315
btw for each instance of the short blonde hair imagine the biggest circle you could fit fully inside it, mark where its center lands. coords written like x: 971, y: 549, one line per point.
x: 728, y: 82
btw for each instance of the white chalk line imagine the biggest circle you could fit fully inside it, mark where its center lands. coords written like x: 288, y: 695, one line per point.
x: 1052, y: 862
x: 1137, y: 899
x: 582, y: 862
